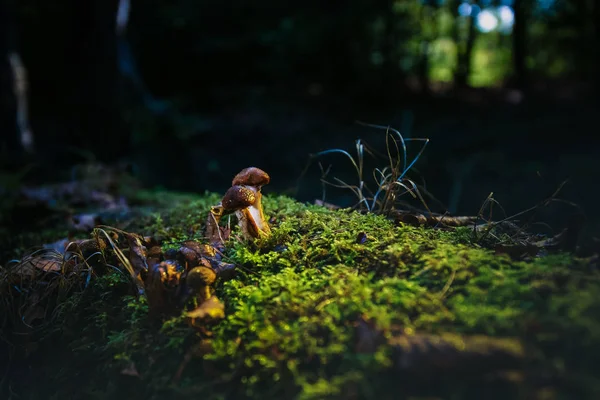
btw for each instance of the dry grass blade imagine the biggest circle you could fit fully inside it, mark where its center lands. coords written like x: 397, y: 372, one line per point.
x: 358, y: 191
x: 324, y: 173
x: 387, y: 179
x: 133, y: 271
x: 35, y: 286
x: 344, y: 152
x: 406, y: 167
x: 508, y: 237
x: 118, y: 253
x: 414, y: 192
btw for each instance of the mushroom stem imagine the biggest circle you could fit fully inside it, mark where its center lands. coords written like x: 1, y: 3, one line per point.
x: 260, y: 216
x: 252, y: 223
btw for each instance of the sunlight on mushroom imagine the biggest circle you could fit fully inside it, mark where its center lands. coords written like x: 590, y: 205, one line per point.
x: 244, y: 198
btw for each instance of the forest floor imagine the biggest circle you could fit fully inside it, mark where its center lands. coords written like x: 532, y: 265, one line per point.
x: 335, y: 303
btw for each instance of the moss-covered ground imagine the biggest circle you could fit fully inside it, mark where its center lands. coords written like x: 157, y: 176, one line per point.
x: 335, y: 304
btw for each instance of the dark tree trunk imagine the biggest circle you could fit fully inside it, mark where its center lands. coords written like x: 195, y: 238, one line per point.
x: 520, y: 44
x: 9, y: 139
x: 387, y: 67
x: 423, y: 69
x: 100, y: 82
x: 596, y: 19
x: 423, y: 66
x: 391, y: 77
x: 464, y: 52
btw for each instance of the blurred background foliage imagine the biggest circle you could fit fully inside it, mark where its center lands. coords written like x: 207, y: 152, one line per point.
x: 193, y: 91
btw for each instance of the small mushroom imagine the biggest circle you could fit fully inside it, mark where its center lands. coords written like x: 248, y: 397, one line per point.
x: 245, y: 202
x: 251, y: 176
x: 244, y: 199
x: 199, y: 280
x: 255, y: 178
x: 161, y: 281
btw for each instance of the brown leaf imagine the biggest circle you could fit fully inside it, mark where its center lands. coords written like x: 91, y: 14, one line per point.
x: 47, y: 265
x: 29, y: 266
x: 212, y: 308
x: 193, y: 253
x: 223, y: 270
x: 137, y: 253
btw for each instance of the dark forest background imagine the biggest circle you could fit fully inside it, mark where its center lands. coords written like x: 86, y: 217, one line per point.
x: 189, y: 92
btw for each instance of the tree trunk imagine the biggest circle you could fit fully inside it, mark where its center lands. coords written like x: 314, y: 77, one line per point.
x: 423, y: 68
x: 520, y: 44
x: 389, y: 66
x: 9, y: 141
x: 101, y: 82
x: 464, y: 52
x: 426, y: 14
x: 596, y: 19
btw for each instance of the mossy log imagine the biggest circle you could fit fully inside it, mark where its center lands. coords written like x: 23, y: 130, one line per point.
x: 333, y: 304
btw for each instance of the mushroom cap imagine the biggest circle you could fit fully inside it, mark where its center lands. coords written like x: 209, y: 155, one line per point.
x: 251, y: 176
x: 238, y: 197
x: 199, y: 277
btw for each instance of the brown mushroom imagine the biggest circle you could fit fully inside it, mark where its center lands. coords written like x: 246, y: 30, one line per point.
x: 245, y: 202
x: 251, y: 176
x: 255, y: 178
x: 244, y: 199
x: 238, y: 197
x: 199, y: 280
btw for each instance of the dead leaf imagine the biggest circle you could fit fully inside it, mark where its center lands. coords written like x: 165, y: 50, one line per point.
x: 223, y: 270
x: 137, y: 253
x: 42, y: 264
x: 212, y: 308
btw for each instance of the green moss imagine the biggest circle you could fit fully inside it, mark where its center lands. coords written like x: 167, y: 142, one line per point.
x: 293, y: 314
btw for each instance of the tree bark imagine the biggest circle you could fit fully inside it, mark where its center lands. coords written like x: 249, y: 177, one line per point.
x: 464, y: 53
x: 9, y: 141
x: 392, y: 76
x: 426, y: 14
x: 596, y: 19
x: 520, y: 44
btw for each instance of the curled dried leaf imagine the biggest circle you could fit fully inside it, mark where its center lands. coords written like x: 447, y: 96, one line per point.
x: 211, y: 309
